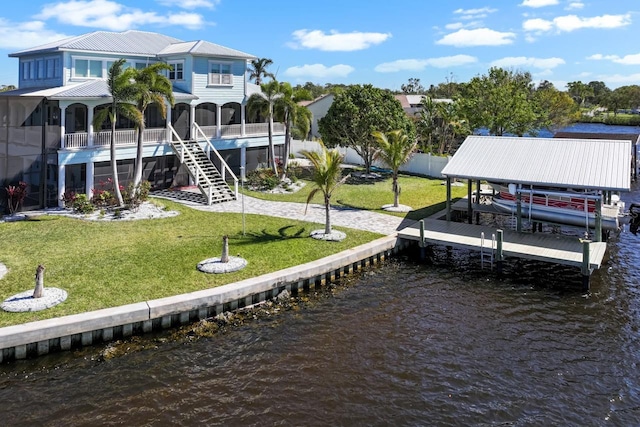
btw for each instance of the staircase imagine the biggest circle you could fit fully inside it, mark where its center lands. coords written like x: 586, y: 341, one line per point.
x: 209, y: 180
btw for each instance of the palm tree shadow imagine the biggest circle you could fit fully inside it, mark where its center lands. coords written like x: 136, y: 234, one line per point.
x: 264, y: 236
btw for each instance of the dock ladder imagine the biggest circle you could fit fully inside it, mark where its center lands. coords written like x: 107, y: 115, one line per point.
x: 487, y: 252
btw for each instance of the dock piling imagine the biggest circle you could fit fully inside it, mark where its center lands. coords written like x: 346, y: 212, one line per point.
x: 499, y: 255
x: 586, y: 267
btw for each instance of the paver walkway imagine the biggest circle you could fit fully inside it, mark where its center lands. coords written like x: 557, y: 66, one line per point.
x: 340, y: 216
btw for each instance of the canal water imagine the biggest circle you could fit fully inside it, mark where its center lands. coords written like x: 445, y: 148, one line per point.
x: 406, y: 343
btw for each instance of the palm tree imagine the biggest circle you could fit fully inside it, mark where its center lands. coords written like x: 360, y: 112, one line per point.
x: 151, y: 87
x: 263, y: 103
x: 258, y: 70
x: 326, y: 177
x: 395, y: 151
x: 296, y: 118
x: 122, y: 93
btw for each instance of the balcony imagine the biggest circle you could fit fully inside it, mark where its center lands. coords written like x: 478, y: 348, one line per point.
x: 129, y: 137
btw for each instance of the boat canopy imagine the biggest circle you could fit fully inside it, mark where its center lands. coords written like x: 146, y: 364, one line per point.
x: 586, y: 164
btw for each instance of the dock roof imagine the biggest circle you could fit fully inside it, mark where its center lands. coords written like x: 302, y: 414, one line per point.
x: 602, y: 164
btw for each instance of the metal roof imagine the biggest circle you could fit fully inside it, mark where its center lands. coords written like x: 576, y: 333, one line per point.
x: 130, y: 42
x: 202, y: 47
x: 568, y: 163
x: 91, y: 89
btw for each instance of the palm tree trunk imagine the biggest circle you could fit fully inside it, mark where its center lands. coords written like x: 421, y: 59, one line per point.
x: 396, y: 190
x: 137, y: 176
x: 114, y: 163
x: 287, y: 149
x: 272, y: 150
x: 327, y: 211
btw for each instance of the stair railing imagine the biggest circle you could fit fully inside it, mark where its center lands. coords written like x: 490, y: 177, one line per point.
x: 198, y: 170
x: 198, y: 132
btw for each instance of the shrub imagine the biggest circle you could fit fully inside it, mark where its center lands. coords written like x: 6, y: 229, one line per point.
x: 15, y: 196
x: 262, y: 179
x: 134, y: 196
x: 82, y: 204
x: 104, y: 195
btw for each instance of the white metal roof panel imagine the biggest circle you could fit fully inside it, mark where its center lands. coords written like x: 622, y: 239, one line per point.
x: 202, y: 47
x: 130, y: 42
x: 568, y: 163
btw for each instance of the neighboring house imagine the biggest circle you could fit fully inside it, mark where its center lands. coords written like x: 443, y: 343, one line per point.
x: 412, y: 104
x: 319, y: 108
x: 47, y: 139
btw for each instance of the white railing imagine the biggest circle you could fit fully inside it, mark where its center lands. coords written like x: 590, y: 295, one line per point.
x: 230, y: 130
x: 76, y: 140
x: 210, y: 131
x: 125, y: 137
x: 122, y: 137
x: 211, y: 148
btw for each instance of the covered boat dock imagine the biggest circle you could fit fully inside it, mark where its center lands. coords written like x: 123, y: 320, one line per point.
x: 598, y: 166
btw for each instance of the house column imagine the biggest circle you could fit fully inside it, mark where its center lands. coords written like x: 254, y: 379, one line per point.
x: 243, y: 119
x: 243, y: 159
x: 89, y: 127
x: 168, y: 123
x: 218, y: 121
x: 61, y: 183
x: 63, y: 124
x: 89, y: 179
x: 192, y: 120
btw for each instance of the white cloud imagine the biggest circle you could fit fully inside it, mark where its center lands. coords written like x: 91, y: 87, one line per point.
x: 570, y: 23
x: 454, y: 26
x: 319, y: 71
x: 539, y: 3
x: 474, y: 13
x: 421, y: 64
x: 26, y: 34
x: 575, y: 5
x: 633, y: 59
x: 537, y: 25
x: 620, y: 79
x: 335, y: 41
x: 190, y: 4
x: 113, y: 16
x: 477, y: 37
x: 522, y: 61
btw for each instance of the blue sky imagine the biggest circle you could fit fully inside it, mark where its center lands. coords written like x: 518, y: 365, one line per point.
x: 365, y: 41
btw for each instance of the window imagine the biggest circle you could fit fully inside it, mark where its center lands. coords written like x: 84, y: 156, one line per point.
x: 177, y: 70
x: 40, y: 66
x: 220, y: 73
x: 26, y: 70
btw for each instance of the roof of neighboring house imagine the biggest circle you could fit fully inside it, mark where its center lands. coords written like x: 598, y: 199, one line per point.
x: 408, y: 101
x: 321, y: 97
x: 202, y: 47
x: 89, y: 90
x: 633, y: 137
x: 130, y: 42
x: 603, y: 164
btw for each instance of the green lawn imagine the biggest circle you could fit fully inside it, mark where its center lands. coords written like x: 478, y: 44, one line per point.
x: 106, y: 264
x: 425, y: 195
x: 110, y: 263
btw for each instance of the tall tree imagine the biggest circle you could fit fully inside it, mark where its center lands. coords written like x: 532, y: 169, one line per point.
x: 500, y: 102
x: 600, y: 92
x: 263, y: 103
x: 326, y: 177
x: 579, y: 91
x: 556, y: 109
x: 395, y: 150
x: 413, y: 87
x: 358, y: 111
x: 122, y: 94
x: 150, y: 87
x: 292, y: 115
x: 258, y: 70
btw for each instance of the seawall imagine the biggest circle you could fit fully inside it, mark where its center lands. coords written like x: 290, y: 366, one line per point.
x: 78, y: 330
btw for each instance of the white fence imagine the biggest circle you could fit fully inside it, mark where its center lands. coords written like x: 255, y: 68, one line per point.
x: 419, y: 164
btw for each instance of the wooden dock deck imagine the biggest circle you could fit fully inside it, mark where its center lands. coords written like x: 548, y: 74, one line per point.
x: 552, y: 248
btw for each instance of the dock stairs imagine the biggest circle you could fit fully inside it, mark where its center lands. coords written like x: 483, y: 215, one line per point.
x: 211, y: 182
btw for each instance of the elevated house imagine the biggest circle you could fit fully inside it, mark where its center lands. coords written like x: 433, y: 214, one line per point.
x: 47, y: 139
